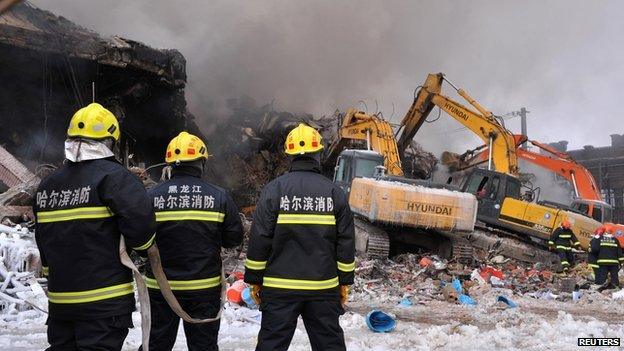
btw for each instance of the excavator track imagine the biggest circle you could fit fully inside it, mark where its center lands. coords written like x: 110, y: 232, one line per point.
x: 508, y: 244
x: 463, y: 251
x: 370, y: 240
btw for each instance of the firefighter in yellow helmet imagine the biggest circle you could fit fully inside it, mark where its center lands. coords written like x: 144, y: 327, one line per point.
x: 81, y: 210
x: 195, y: 219
x: 300, y: 260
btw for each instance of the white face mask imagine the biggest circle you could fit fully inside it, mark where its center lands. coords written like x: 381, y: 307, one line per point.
x: 78, y: 150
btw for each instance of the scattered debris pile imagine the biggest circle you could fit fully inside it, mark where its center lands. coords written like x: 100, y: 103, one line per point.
x: 418, y: 163
x: 424, y: 278
x: 248, y: 148
x: 56, y: 66
x: 19, y: 266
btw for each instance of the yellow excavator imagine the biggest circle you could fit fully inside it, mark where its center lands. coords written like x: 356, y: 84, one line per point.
x: 497, y: 188
x: 389, y: 207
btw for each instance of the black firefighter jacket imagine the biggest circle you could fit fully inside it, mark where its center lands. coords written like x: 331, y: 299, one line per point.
x: 607, y: 250
x: 82, y: 209
x: 194, y: 220
x: 302, y: 239
x: 563, y: 239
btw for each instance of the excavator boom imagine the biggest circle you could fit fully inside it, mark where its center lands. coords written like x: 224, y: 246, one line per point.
x: 482, y: 123
x: 375, y: 132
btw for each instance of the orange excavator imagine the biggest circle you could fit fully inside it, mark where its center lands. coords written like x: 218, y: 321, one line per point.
x: 587, y: 197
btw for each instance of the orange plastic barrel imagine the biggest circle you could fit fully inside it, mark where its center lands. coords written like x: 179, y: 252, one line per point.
x: 235, y: 290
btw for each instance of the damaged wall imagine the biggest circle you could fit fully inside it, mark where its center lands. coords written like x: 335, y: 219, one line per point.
x: 52, y: 63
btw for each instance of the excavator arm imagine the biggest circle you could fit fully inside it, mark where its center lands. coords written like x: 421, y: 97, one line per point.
x: 581, y: 179
x: 482, y: 123
x: 585, y: 186
x: 377, y: 133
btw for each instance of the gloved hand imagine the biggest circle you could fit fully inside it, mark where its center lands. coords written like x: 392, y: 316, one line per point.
x: 344, y: 294
x: 255, y: 293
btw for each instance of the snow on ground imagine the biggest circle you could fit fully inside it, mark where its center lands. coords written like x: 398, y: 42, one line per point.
x: 435, y: 325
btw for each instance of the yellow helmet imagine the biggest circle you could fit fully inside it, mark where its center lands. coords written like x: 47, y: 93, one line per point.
x: 94, y: 122
x: 184, y: 148
x: 303, y: 139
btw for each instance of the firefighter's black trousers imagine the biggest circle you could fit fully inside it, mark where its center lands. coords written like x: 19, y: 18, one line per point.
x: 320, y: 317
x: 201, y: 336
x: 106, y: 334
x: 604, y: 270
x: 566, y: 257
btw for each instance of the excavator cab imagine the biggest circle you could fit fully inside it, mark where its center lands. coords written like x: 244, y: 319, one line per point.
x: 491, y: 188
x: 356, y: 163
x: 598, y: 210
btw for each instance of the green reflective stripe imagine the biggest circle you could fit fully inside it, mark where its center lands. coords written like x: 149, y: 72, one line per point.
x: 255, y: 265
x: 346, y: 267
x: 551, y: 242
x: 605, y: 260
x: 592, y: 265
x: 565, y: 263
x: 565, y: 236
x: 306, y: 219
x: 91, y: 295
x: 577, y: 243
x: 196, y: 284
x: 296, y: 284
x: 45, y: 270
x: 147, y: 244
x: 621, y: 258
x: 564, y: 247
x: 74, y: 214
x: 609, y: 244
x: 208, y: 216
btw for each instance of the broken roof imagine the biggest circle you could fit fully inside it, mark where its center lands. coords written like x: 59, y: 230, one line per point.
x: 29, y: 27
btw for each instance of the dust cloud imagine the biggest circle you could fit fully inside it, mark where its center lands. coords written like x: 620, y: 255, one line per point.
x: 561, y: 59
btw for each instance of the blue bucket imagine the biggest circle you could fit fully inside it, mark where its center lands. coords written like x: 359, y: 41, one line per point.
x: 246, y: 296
x: 380, y: 322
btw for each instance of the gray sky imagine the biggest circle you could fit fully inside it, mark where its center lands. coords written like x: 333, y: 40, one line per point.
x: 562, y: 60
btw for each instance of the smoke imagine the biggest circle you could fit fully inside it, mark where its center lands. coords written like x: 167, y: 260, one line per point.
x: 551, y: 188
x: 561, y: 59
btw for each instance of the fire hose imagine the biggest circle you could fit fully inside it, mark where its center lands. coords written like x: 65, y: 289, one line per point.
x: 165, y: 289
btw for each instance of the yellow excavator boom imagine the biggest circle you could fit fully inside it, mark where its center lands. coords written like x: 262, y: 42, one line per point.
x: 377, y: 133
x: 481, y: 122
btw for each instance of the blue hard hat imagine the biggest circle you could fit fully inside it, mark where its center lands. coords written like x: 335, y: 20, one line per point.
x: 380, y: 322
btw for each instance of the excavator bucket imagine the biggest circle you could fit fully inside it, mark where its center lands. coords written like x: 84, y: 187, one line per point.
x: 416, y: 206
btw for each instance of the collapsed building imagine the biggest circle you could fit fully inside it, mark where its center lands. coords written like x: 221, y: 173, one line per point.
x: 50, y: 67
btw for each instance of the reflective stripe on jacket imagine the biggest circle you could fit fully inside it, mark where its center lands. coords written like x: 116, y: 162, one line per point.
x: 82, y: 209
x: 302, y: 237
x: 608, y: 251
x: 563, y: 239
x: 195, y: 219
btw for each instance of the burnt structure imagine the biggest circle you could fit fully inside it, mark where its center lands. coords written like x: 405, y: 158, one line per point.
x: 50, y: 67
x: 607, y: 166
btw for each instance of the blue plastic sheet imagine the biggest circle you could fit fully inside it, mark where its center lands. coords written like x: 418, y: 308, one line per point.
x: 466, y: 300
x: 406, y: 302
x: 457, y: 285
x: 507, y: 301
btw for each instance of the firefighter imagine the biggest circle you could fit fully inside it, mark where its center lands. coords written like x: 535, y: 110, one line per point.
x: 81, y: 210
x: 610, y: 257
x: 301, y: 251
x: 592, y: 256
x: 195, y: 219
x: 561, y: 241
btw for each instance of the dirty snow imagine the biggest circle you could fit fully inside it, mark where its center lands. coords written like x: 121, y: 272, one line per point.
x: 436, y: 325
